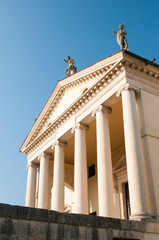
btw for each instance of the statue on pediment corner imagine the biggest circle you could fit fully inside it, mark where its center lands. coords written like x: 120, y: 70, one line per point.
x: 121, y: 39
x: 71, y: 69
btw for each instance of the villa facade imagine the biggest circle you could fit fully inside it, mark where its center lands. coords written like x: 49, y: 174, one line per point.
x: 94, y: 148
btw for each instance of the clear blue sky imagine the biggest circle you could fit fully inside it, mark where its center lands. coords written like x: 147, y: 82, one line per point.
x: 35, y: 37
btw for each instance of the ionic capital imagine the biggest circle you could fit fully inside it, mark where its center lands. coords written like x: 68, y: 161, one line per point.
x: 60, y: 143
x: 127, y: 86
x: 101, y: 108
x: 31, y: 164
x: 82, y: 126
x: 44, y: 155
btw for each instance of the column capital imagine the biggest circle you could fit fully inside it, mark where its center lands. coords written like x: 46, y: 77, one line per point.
x: 45, y: 155
x: 60, y: 143
x: 127, y: 86
x: 82, y: 126
x: 101, y: 108
x: 31, y: 164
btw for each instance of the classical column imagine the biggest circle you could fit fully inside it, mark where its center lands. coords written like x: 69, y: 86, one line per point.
x: 58, y: 176
x: 43, y: 181
x: 31, y: 185
x: 37, y: 186
x: 134, y: 155
x: 80, y: 169
x: 104, y: 163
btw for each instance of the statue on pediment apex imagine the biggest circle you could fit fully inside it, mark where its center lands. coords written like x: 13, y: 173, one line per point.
x: 71, y: 69
x: 121, y: 39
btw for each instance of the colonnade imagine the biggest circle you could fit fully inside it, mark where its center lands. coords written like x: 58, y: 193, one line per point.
x: 136, y: 178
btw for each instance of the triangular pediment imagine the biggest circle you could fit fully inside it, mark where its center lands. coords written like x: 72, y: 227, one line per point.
x: 73, y: 91
x: 66, y: 92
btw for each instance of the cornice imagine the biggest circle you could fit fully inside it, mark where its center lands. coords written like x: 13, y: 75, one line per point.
x: 147, y: 70
x: 139, y: 59
x: 106, y: 75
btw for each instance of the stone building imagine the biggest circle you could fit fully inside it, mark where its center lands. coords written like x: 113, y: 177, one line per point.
x: 94, y: 148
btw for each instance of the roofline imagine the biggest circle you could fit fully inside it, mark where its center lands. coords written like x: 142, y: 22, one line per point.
x: 59, y: 81
x: 91, y: 65
x: 146, y: 61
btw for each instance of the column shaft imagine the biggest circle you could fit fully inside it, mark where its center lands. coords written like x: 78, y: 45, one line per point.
x: 80, y: 170
x: 134, y: 156
x: 31, y: 186
x: 43, y: 181
x: 104, y: 164
x: 58, y: 178
x: 37, y: 187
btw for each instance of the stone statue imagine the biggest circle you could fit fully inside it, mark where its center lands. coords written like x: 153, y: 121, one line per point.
x: 71, y: 69
x: 121, y: 39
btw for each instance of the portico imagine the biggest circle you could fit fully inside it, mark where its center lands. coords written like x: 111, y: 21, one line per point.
x: 92, y: 121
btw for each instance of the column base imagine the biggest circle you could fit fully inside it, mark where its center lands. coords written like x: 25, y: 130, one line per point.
x: 140, y: 216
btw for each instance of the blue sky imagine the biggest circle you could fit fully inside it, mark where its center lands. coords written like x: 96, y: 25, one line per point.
x: 35, y: 37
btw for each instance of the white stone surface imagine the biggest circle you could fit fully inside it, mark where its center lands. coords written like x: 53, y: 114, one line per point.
x: 31, y: 185
x: 134, y: 156
x: 43, y: 181
x: 150, y: 134
x: 58, y: 176
x: 104, y: 164
x: 67, y: 106
x: 80, y: 170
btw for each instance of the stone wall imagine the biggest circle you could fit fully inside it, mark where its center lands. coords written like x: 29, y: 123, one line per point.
x: 22, y: 223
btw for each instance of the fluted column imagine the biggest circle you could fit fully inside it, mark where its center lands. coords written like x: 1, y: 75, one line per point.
x: 104, y: 163
x: 134, y: 155
x: 80, y: 169
x: 31, y: 185
x: 58, y: 177
x: 43, y: 181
